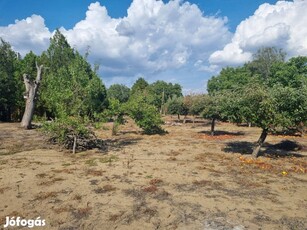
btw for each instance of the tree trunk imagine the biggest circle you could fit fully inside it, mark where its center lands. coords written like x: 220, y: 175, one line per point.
x: 74, y: 145
x: 193, y: 120
x: 260, y: 142
x: 178, y: 117
x: 212, y: 126
x: 162, y: 104
x: 113, y: 129
x: 30, y: 96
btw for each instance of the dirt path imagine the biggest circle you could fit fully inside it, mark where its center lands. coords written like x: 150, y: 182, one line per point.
x: 182, y: 180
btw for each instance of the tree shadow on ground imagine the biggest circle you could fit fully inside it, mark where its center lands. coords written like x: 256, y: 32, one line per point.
x: 285, y: 148
x: 221, y: 133
x: 189, y: 120
x: 128, y: 132
x: 290, y: 132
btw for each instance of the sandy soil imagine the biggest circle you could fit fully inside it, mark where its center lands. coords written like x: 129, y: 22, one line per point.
x: 181, y: 180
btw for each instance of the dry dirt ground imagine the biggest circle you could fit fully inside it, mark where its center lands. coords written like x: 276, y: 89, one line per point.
x: 181, y: 180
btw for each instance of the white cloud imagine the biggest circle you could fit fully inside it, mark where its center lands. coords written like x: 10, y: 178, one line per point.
x: 154, y: 37
x: 160, y: 40
x: 27, y: 34
x: 282, y: 25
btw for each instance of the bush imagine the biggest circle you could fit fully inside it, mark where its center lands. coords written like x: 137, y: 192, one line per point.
x: 115, y: 113
x: 145, y: 116
x: 175, y: 106
x: 71, y: 132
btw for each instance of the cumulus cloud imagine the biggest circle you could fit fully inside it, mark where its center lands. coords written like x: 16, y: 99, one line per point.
x: 281, y: 25
x: 27, y: 34
x: 154, y: 37
x: 172, y: 40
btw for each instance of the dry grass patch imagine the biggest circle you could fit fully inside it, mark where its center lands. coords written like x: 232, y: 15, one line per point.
x: 68, y: 171
x: 3, y: 189
x: 150, y: 189
x: 77, y: 197
x: 174, y: 153
x: 91, y: 162
x: 82, y: 212
x: 65, y: 208
x: 50, y: 182
x: 162, y: 195
x: 115, y: 217
x: 41, y: 175
x: 109, y: 159
x: 3, y: 162
x: 45, y: 195
x: 105, y: 189
x: 94, y: 172
x: 155, y: 181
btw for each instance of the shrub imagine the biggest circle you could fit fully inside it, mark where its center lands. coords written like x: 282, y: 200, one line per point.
x: 146, y: 116
x: 71, y: 132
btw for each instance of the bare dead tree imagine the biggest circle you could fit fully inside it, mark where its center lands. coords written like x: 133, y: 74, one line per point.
x: 31, y: 96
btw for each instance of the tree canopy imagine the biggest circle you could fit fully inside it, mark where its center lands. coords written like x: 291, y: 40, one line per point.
x: 70, y: 86
x: 268, y: 92
x: 11, y: 85
x: 119, y: 92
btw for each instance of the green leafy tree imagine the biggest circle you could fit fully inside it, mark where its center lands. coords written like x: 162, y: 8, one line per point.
x: 195, y: 104
x: 10, y: 83
x: 215, y: 108
x: 119, y: 92
x: 270, y: 108
x: 291, y: 73
x: 264, y: 59
x: 176, y: 106
x: 59, y: 54
x: 115, y: 112
x: 267, y: 92
x: 161, y: 91
x: 145, y: 115
x: 139, y: 86
x: 71, y: 93
x: 229, y: 79
x: 70, y: 87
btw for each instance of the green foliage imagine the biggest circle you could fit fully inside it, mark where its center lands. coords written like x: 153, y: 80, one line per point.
x: 290, y: 104
x: 63, y: 130
x: 271, y: 108
x: 292, y: 73
x: 161, y: 91
x: 264, y: 59
x: 176, y: 106
x: 119, y: 92
x: 215, y: 106
x: 229, y: 79
x: 28, y: 65
x: 195, y: 103
x: 139, y: 86
x: 115, y: 112
x: 59, y: 54
x: 145, y: 115
x: 70, y: 87
x: 268, y: 92
x: 11, y: 86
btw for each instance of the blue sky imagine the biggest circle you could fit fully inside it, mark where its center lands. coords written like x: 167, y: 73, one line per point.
x: 185, y: 42
x: 67, y: 13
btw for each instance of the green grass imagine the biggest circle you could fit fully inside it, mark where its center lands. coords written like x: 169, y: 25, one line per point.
x: 91, y: 162
x: 109, y: 159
